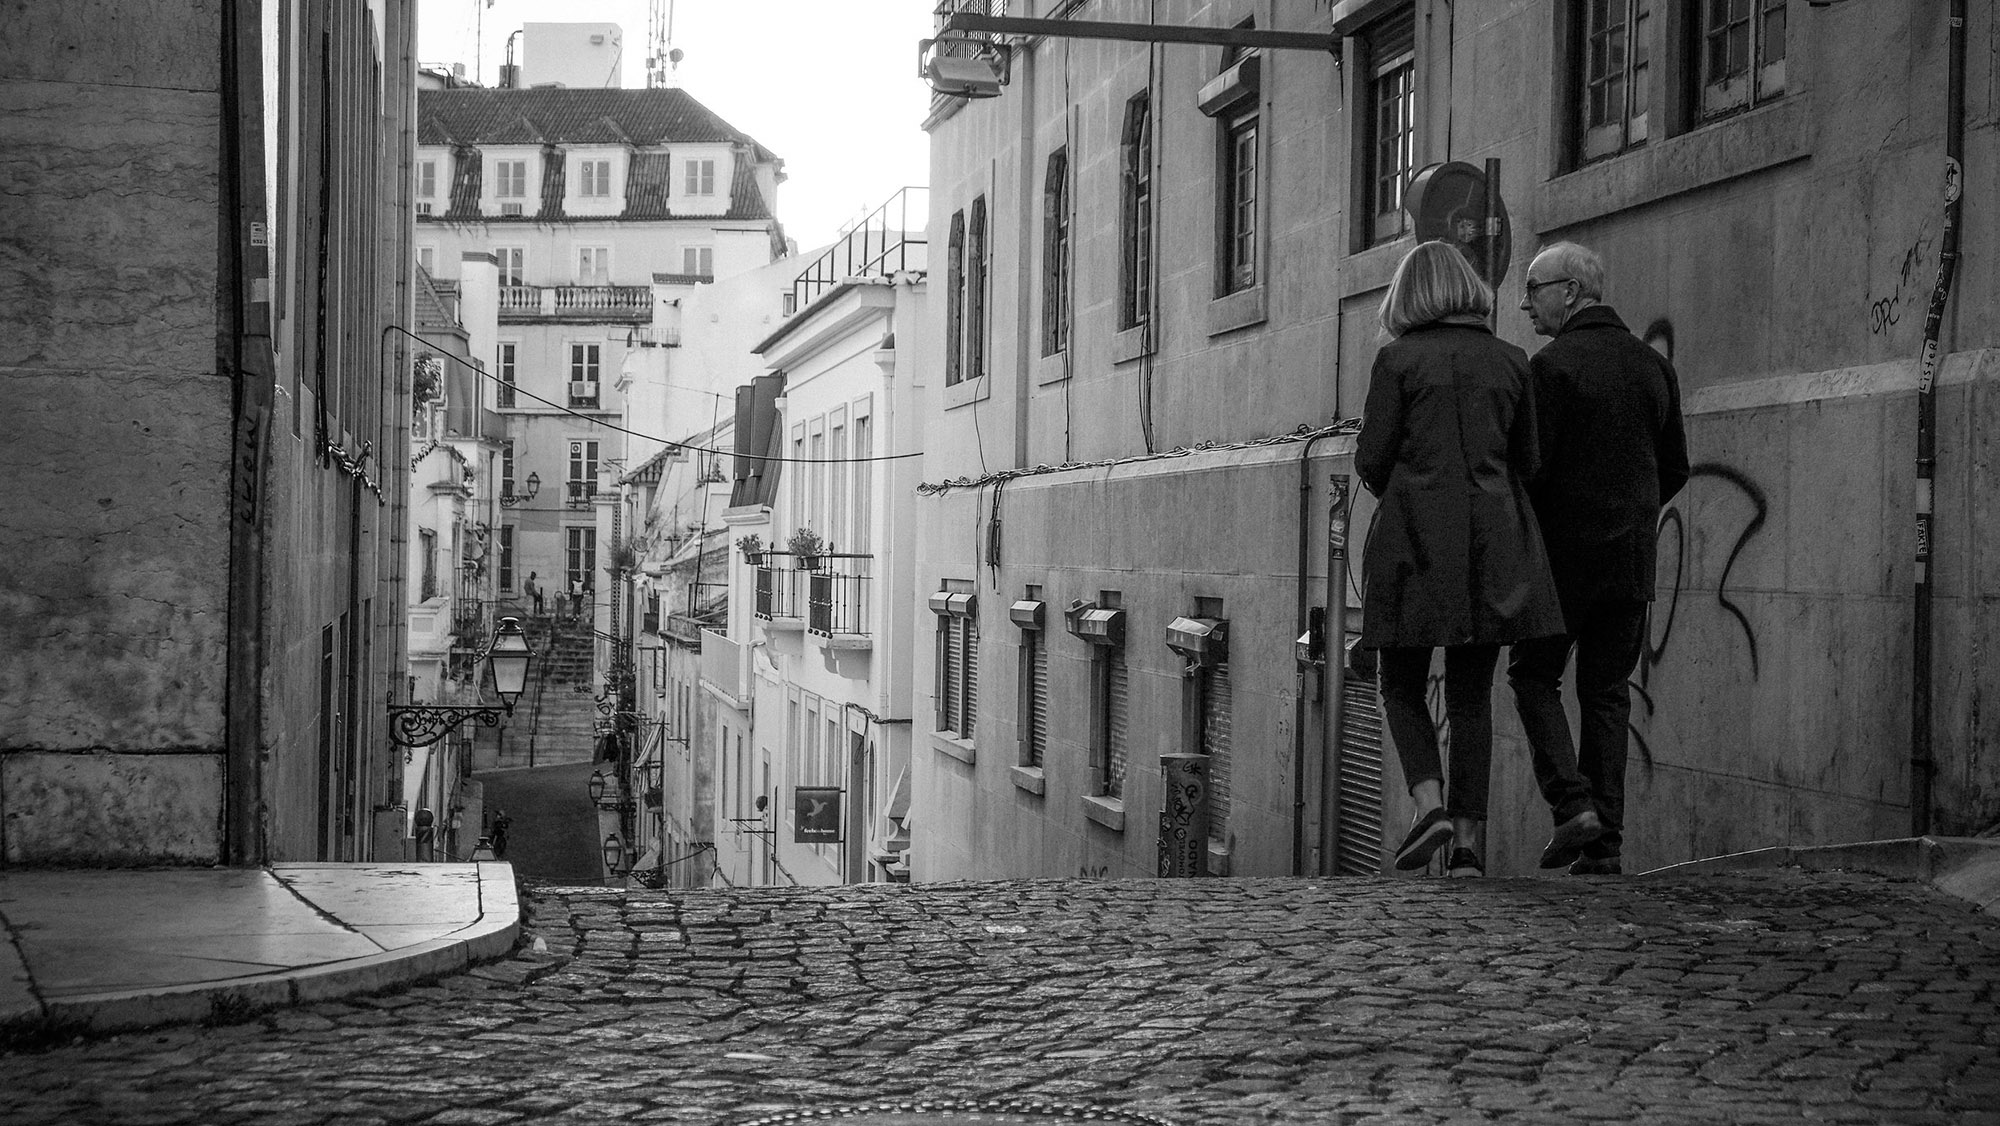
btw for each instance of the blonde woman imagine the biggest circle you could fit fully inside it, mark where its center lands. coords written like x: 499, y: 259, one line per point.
x: 1455, y: 558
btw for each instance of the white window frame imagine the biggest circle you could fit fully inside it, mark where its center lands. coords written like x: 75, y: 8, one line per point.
x: 502, y: 181
x: 593, y: 265
x: 513, y: 263
x: 699, y: 177
x: 698, y: 261
x: 593, y: 178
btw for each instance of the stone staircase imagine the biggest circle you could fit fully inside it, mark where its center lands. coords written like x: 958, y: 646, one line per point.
x: 555, y: 723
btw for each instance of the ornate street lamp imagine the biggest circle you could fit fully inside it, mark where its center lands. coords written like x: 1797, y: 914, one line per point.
x: 507, y: 661
x: 534, y: 485
x: 596, y: 786
x: 614, y: 855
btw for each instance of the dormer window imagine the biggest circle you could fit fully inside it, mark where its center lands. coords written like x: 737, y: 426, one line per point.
x: 593, y: 178
x: 510, y: 178
x: 700, y: 178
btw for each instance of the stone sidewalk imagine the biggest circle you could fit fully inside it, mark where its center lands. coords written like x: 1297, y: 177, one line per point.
x: 1779, y: 995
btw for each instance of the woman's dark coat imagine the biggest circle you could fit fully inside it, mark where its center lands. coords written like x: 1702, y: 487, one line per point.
x: 1448, y: 444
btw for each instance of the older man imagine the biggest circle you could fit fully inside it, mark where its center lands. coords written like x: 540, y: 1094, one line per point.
x: 1613, y: 451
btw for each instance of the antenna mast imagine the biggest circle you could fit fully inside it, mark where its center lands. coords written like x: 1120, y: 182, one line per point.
x: 661, y: 57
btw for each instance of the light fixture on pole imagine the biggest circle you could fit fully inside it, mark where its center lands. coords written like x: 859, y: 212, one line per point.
x: 596, y: 786
x: 507, y: 661
x: 614, y: 855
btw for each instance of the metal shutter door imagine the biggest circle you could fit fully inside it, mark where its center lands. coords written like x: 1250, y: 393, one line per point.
x: 1114, y: 726
x: 1359, y: 772
x: 1038, y: 699
x: 1215, y: 710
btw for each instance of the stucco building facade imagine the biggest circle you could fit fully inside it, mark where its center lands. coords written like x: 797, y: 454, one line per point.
x: 1178, y: 250
x: 204, y: 257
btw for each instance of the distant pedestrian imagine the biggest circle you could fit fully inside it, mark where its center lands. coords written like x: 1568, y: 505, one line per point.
x: 1613, y: 451
x: 534, y: 590
x: 1454, y: 559
x: 575, y: 599
x: 499, y: 835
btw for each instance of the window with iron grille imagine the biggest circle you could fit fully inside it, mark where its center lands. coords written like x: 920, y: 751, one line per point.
x: 975, y: 290
x: 1387, y: 144
x: 505, y: 372
x: 1742, y: 51
x: 954, y: 301
x: 1055, y: 254
x: 1615, y: 41
x: 1135, y: 227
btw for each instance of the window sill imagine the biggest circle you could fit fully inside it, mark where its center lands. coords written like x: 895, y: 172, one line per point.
x: 1051, y: 368
x: 1029, y: 778
x: 1372, y: 269
x: 967, y: 391
x: 949, y: 744
x: 1108, y: 812
x: 1238, y: 310
x: 1700, y: 158
x: 1131, y: 344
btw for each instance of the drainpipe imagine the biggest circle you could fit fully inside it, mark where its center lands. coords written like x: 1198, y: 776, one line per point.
x: 1303, y: 618
x: 1923, y: 762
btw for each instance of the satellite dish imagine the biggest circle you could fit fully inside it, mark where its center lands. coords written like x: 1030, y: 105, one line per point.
x: 1447, y: 202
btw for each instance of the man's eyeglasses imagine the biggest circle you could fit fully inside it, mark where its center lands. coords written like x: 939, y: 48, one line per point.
x: 1532, y: 286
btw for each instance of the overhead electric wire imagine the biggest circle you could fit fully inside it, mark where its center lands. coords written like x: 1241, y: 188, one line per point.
x: 518, y: 390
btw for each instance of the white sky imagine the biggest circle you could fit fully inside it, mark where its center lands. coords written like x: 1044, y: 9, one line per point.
x: 831, y: 86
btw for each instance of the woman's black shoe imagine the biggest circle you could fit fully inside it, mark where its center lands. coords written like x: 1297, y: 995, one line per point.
x: 1428, y: 835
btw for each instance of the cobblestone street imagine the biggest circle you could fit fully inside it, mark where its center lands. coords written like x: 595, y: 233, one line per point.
x: 1743, y: 997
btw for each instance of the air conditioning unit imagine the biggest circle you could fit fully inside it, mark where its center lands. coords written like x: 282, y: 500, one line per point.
x: 423, y: 207
x: 582, y: 389
x: 510, y: 209
x: 1203, y: 641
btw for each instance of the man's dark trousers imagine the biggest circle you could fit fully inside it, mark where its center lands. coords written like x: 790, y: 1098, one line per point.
x: 1607, y: 642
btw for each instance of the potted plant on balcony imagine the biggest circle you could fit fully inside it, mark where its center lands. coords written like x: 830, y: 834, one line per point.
x: 806, y: 547
x: 752, y: 547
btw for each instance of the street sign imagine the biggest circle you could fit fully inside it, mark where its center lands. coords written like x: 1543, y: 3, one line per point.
x: 816, y: 815
x: 1448, y: 201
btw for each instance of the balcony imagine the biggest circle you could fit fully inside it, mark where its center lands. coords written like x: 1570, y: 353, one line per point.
x: 576, y: 304
x: 720, y: 665
x: 832, y: 599
x: 886, y: 241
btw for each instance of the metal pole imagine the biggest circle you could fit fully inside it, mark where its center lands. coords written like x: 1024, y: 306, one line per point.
x: 1490, y: 237
x: 1923, y: 762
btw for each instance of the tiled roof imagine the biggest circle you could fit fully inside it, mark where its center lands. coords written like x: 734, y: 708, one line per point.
x: 571, y: 116
x: 433, y: 311
x: 746, y: 199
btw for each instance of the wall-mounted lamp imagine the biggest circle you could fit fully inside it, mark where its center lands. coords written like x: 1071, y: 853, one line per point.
x: 533, y: 486
x: 616, y: 861
x: 964, y: 66
x: 507, y: 661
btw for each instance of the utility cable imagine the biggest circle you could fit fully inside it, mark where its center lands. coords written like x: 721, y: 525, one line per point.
x: 519, y: 390
x: 1302, y: 434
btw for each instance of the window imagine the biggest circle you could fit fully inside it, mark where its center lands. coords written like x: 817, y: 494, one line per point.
x: 1386, y: 145
x: 513, y: 262
x: 427, y: 259
x: 1135, y: 222
x: 427, y: 179
x: 698, y: 261
x: 700, y: 178
x: 1615, y: 37
x: 1055, y: 254
x: 956, y: 608
x: 506, y: 557
x: 593, y: 265
x: 954, y: 298
x: 864, y: 448
x: 510, y: 178
x: 1108, y: 726
x: 836, y: 482
x: 504, y: 370
x: 582, y: 469
x: 975, y: 291
x: 585, y: 363
x: 581, y: 558
x: 507, y: 468
x: 593, y: 178
x: 1239, y: 204
x: 427, y: 546
x: 1032, y: 691
x: 1742, y: 54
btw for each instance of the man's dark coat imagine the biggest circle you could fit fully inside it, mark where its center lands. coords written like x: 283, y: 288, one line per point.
x: 1447, y: 443
x: 1612, y: 450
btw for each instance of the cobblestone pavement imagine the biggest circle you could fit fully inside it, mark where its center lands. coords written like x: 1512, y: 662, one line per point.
x: 1743, y: 997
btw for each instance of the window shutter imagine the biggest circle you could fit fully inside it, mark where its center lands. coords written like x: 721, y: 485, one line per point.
x: 1216, y: 706
x: 1038, y: 700
x: 1115, y: 706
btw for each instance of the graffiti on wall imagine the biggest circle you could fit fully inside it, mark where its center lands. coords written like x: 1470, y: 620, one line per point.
x: 1911, y: 279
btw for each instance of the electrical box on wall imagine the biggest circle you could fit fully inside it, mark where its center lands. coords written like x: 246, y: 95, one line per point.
x: 1203, y: 641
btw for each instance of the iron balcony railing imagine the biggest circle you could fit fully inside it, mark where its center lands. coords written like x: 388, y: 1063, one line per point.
x: 886, y: 241
x: 833, y: 595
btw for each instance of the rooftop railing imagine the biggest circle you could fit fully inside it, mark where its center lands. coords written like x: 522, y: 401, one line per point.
x: 887, y: 240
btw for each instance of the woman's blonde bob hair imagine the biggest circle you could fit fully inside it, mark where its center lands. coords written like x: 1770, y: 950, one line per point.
x: 1434, y: 281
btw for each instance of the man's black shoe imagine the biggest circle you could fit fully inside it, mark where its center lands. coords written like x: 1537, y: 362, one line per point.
x: 1566, y: 846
